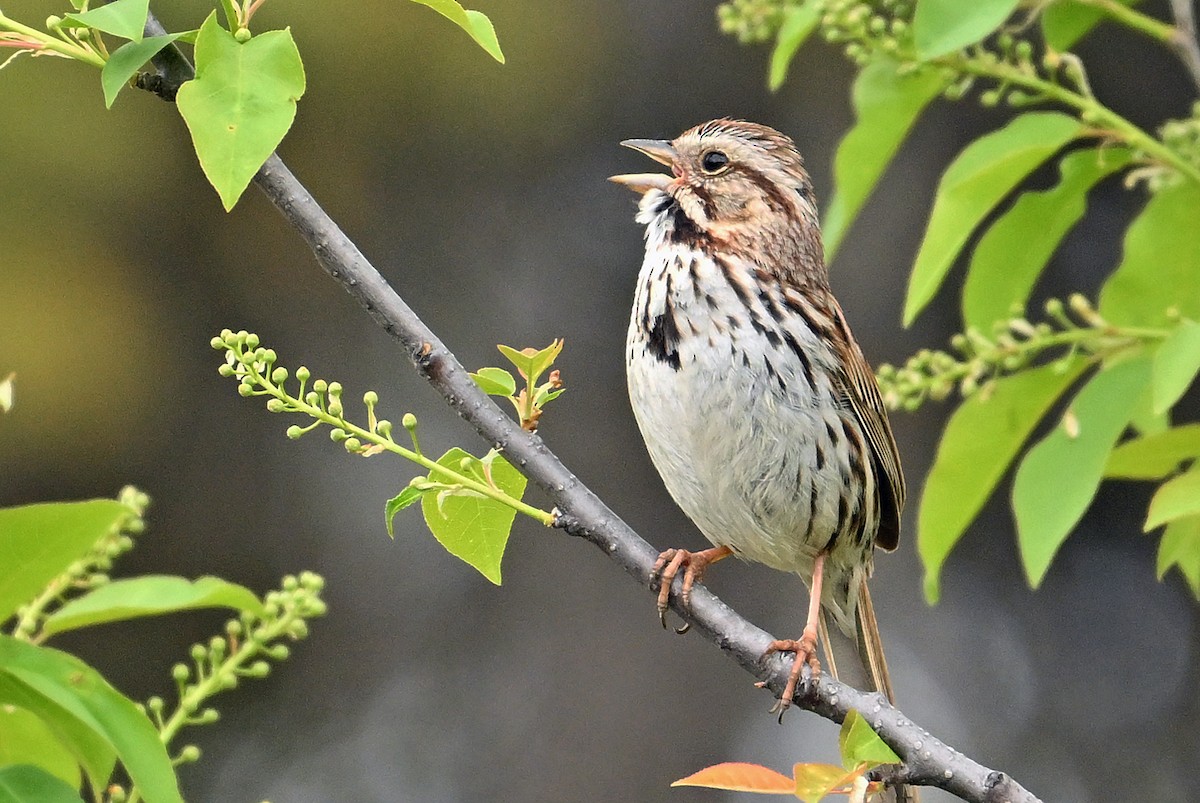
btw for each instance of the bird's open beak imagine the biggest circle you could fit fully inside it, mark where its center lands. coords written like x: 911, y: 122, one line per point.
x: 658, y: 150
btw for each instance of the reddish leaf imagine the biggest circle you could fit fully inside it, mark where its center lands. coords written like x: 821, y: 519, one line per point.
x: 738, y: 777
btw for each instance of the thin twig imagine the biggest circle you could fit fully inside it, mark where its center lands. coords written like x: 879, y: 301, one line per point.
x: 927, y: 760
x: 1185, y: 41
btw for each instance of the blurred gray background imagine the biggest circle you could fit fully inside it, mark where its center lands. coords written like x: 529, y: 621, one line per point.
x: 480, y: 192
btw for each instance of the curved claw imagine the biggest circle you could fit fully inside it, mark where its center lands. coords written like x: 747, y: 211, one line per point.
x: 667, y: 567
x: 805, y: 651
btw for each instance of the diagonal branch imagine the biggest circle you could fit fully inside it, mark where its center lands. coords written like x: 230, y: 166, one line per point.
x: 1185, y: 42
x: 580, y: 513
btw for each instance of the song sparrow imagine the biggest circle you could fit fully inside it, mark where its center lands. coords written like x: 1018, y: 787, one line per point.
x: 755, y: 402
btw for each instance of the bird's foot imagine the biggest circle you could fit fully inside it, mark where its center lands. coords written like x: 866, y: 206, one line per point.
x: 694, y: 564
x: 805, y: 650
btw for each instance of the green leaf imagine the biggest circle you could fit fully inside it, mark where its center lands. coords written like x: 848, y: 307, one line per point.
x: 24, y: 783
x: 1176, y: 363
x: 409, y: 496
x: 72, y: 697
x: 522, y: 361
x: 1180, y: 546
x: 887, y: 102
x: 547, y: 395
x: 815, y: 781
x: 1145, y: 421
x: 471, y: 527
x: 1066, y: 22
x: 25, y: 739
x: 126, y: 60
x: 859, y: 744
x: 39, y: 542
x: 543, y: 359
x: 977, y: 180
x: 1154, y: 456
x: 1011, y: 255
x: 979, y: 443
x: 798, y: 23
x: 474, y: 23
x: 1160, y: 263
x: 150, y: 595
x: 495, y: 381
x: 943, y: 26
x: 123, y: 18
x: 1175, y: 499
x: 240, y: 104
x: 1059, y: 476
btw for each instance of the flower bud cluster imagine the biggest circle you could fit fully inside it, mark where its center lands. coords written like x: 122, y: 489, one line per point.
x: 751, y: 21
x: 258, y: 375
x: 975, y: 359
x: 242, y: 652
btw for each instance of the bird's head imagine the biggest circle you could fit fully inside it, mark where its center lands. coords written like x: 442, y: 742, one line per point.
x: 727, y: 175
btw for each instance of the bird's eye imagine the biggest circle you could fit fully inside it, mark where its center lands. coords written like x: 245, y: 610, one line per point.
x: 714, y: 162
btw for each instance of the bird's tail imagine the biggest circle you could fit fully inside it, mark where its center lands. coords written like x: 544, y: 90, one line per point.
x: 858, y: 661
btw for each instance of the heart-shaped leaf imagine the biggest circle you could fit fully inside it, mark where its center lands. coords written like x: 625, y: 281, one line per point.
x: 240, y: 104
x: 472, y: 527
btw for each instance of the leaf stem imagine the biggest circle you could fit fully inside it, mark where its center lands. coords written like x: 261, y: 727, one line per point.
x: 1134, y: 19
x: 1090, y: 110
x: 321, y: 414
x: 52, y: 43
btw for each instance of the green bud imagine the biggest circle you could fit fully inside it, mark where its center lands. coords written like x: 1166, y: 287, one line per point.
x: 298, y: 629
x: 233, y: 628
x: 217, y: 646
x: 315, y: 607
x: 335, y: 408
x: 276, y: 405
x: 258, y: 669
x: 270, y: 357
x: 180, y: 673
x: 303, y: 374
x: 225, y: 371
x: 189, y: 754
x: 207, y: 717
x: 335, y: 389
x: 217, y: 343
x: 250, y: 338
x: 155, y: 704
x: 53, y: 22
x: 370, y: 398
x: 279, y: 375
x: 116, y: 794
x: 312, y: 398
x: 290, y: 583
x: 245, y: 390
x: 338, y: 435
x: 242, y: 35
x: 384, y: 427
x: 294, y: 432
x: 990, y: 98
x: 279, y: 652
x: 320, y: 386
x: 198, y: 652
x: 353, y: 445
x: 409, y: 421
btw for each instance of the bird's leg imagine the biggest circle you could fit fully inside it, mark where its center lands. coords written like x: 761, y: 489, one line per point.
x: 694, y: 564
x: 806, y: 647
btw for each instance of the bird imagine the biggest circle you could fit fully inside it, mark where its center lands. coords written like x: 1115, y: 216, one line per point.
x: 754, y: 399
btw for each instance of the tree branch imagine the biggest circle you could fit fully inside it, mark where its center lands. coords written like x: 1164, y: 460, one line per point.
x: 580, y: 513
x: 1185, y: 42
